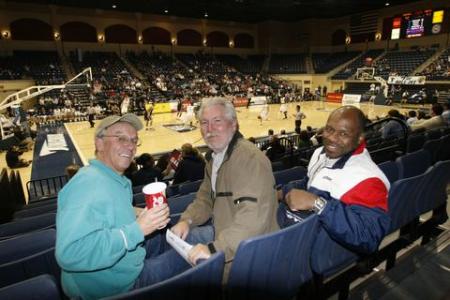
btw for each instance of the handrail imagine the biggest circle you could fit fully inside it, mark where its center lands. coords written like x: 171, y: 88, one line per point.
x: 405, y: 128
x: 37, y: 90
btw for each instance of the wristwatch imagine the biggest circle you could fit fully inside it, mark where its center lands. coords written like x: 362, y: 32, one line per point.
x: 319, y: 205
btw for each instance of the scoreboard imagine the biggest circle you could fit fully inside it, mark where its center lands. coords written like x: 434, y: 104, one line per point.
x: 416, y: 24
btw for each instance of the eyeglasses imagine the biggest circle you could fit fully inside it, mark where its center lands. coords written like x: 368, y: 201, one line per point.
x: 125, y: 140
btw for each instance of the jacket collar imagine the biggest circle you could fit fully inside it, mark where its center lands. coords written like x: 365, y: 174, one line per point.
x: 344, y: 158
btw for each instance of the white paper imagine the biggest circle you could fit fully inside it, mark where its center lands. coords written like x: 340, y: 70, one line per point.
x: 179, y: 245
x: 44, y: 150
x: 56, y: 142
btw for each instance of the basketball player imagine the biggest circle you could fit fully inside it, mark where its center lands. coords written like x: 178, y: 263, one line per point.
x: 264, y: 114
x: 148, y: 114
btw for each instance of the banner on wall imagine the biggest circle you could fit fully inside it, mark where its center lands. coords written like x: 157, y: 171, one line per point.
x: 407, y: 80
x: 351, y: 99
x: 163, y: 108
x: 335, y: 97
x: 240, y: 101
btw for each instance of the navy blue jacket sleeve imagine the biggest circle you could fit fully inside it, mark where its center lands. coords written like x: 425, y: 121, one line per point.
x: 357, y: 227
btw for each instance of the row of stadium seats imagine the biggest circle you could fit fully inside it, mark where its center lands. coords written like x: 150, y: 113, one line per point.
x: 417, y: 187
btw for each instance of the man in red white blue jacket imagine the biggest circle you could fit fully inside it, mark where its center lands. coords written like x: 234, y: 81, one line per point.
x: 343, y: 186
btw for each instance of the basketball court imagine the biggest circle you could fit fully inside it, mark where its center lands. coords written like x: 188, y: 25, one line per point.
x: 162, y: 139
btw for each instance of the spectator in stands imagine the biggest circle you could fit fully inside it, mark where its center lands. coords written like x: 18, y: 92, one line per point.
x: 435, y: 121
x: 343, y: 186
x: 421, y: 115
x: 163, y: 164
x: 13, y: 159
x: 310, y: 131
x: 446, y: 113
x: 275, y: 150
x: 100, y: 244
x: 392, y: 129
x: 71, y: 170
x: 316, y: 139
x: 304, y: 141
x: 131, y: 170
x: 148, y: 172
x: 412, y: 117
x: 241, y: 204
x: 191, y: 167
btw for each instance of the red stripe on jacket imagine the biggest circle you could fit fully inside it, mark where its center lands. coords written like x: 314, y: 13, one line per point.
x: 370, y: 193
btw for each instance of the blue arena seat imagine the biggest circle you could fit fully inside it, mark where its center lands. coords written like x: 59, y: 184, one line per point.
x: 329, y: 257
x: 189, y: 187
x: 275, y: 265
x: 433, y: 147
x: 434, y: 188
x: 200, y: 282
x: 36, y: 288
x: 139, y: 199
x: 415, y: 142
x: 390, y: 169
x: 27, y: 225
x: 414, y: 163
x: 35, y: 211
x: 27, y: 256
x: 402, y: 200
x: 284, y: 176
x: 444, y: 149
x: 179, y: 204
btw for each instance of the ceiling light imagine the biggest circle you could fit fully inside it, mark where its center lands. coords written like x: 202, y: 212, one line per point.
x: 387, y: 4
x: 166, y: 11
x: 114, y: 6
x: 206, y: 14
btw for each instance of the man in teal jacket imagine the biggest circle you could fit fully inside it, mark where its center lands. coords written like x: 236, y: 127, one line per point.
x: 100, y: 243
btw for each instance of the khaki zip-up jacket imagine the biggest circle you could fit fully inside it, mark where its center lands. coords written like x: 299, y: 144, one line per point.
x: 245, y: 202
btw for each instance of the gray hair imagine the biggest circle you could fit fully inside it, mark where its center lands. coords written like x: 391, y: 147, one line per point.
x: 230, y: 112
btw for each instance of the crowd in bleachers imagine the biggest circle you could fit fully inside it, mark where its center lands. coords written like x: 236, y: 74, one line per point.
x: 325, y: 62
x: 401, y: 63
x: 360, y: 62
x: 287, y: 64
x: 439, y: 69
x: 193, y: 76
x: 42, y: 66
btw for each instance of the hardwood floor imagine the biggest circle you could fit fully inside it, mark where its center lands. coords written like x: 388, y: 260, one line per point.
x: 161, y: 139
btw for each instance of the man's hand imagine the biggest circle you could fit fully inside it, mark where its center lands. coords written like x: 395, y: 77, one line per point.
x: 300, y: 200
x: 153, y: 219
x: 199, y: 251
x: 181, y: 229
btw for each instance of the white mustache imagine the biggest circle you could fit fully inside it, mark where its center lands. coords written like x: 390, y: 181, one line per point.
x: 211, y: 134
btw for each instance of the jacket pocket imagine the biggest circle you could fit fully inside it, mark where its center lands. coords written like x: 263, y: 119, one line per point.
x: 242, y: 199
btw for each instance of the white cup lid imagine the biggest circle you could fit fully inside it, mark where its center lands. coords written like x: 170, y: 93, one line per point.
x: 154, y: 188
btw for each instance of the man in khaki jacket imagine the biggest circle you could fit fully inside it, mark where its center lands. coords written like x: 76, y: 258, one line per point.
x: 238, y: 191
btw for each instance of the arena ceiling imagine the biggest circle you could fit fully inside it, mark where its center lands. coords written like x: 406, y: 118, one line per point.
x: 250, y: 11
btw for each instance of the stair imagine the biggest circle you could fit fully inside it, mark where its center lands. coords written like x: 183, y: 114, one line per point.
x: 135, y: 72
x: 309, y: 64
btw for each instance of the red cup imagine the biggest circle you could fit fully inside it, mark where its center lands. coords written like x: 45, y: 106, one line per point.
x: 155, y: 194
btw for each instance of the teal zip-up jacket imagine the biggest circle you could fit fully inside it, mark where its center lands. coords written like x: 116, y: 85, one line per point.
x: 98, y: 242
